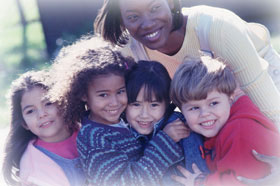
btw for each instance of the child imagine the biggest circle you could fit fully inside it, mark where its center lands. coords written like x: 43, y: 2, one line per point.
x: 41, y: 148
x: 94, y: 86
x: 149, y: 111
x: 202, y: 90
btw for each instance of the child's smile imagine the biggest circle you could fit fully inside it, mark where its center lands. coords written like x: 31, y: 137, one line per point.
x: 42, y: 117
x: 46, y: 124
x: 207, y: 116
x: 208, y: 124
x: 106, y: 98
x: 145, y: 124
x: 142, y: 115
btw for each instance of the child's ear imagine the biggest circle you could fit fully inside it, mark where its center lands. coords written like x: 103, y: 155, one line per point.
x: 231, y: 99
x: 84, y: 98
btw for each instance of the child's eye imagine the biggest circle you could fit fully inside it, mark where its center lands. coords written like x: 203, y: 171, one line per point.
x: 155, y: 8
x: 48, y: 103
x: 29, y: 111
x: 194, y: 108
x: 103, y: 95
x: 214, y: 103
x: 154, y: 104
x: 135, y: 104
x: 121, y: 91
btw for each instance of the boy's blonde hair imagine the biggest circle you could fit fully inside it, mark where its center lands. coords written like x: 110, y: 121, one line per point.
x: 195, y: 78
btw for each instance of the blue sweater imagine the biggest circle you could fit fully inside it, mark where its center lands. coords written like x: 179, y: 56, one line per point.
x: 191, y: 148
x: 113, y: 156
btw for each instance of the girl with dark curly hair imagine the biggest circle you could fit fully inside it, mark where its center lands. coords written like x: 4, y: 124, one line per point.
x: 92, y: 81
x: 41, y: 147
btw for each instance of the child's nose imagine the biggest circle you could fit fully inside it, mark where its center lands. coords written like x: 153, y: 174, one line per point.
x: 144, y: 112
x: 42, y: 113
x: 204, y: 112
x: 114, y: 100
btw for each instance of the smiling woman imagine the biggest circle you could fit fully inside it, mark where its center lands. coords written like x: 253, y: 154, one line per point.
x: 149, y: 27
x: 160, y: 30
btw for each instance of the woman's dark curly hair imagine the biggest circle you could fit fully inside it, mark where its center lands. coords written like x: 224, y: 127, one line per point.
x: 76, y: 66
x: 19, y: 136
x: 108, y: 22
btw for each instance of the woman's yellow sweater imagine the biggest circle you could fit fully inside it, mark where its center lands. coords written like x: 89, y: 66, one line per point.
x: 231, y: 39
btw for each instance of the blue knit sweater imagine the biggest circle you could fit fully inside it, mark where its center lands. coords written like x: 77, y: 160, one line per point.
x: 113, y: 156
x: 190, y: 146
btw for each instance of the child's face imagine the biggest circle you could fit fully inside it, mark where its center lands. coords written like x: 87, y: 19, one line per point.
x: 209, y: 115
x: 43, y: 117
x: 106, y: 98
x: 142, y: 115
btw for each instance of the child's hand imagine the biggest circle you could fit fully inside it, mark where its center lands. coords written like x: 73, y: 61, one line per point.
x: 189, y: 179
x: 177, y: 130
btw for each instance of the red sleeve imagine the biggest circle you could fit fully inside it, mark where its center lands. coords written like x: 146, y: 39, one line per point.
x: 234, y: 147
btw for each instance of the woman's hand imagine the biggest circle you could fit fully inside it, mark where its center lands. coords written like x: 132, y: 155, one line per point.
x: 189, y: 179
x: 273, y: 179
x: 177, y: 130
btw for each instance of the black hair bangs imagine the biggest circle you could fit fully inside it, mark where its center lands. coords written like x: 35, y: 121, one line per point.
x: 154, y: 88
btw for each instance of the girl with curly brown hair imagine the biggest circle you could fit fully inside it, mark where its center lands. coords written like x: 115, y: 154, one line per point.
x: 94, y: 92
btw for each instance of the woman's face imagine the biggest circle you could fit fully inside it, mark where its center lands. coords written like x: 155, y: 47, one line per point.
x: 148, y: 21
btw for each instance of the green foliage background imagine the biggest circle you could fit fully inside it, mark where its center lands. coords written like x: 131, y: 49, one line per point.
x: 17, y: 56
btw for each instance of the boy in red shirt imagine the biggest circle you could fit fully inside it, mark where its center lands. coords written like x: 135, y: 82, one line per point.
x: 203, y: 90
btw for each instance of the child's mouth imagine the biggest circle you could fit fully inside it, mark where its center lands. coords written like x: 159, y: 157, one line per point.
x: 208, y: 124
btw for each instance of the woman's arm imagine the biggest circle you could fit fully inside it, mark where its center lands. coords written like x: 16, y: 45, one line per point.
x: 273, y: 179
x: 229, y: 39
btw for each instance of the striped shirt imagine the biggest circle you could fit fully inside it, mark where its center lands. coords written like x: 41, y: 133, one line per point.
x: 113, y: 156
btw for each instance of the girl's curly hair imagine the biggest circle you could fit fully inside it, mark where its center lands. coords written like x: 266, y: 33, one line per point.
x: 74, y: 69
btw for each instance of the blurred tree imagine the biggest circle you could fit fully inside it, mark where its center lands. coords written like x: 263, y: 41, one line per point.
x: 64, y: 21
x: 23, y: 23
x: 22, y: 45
